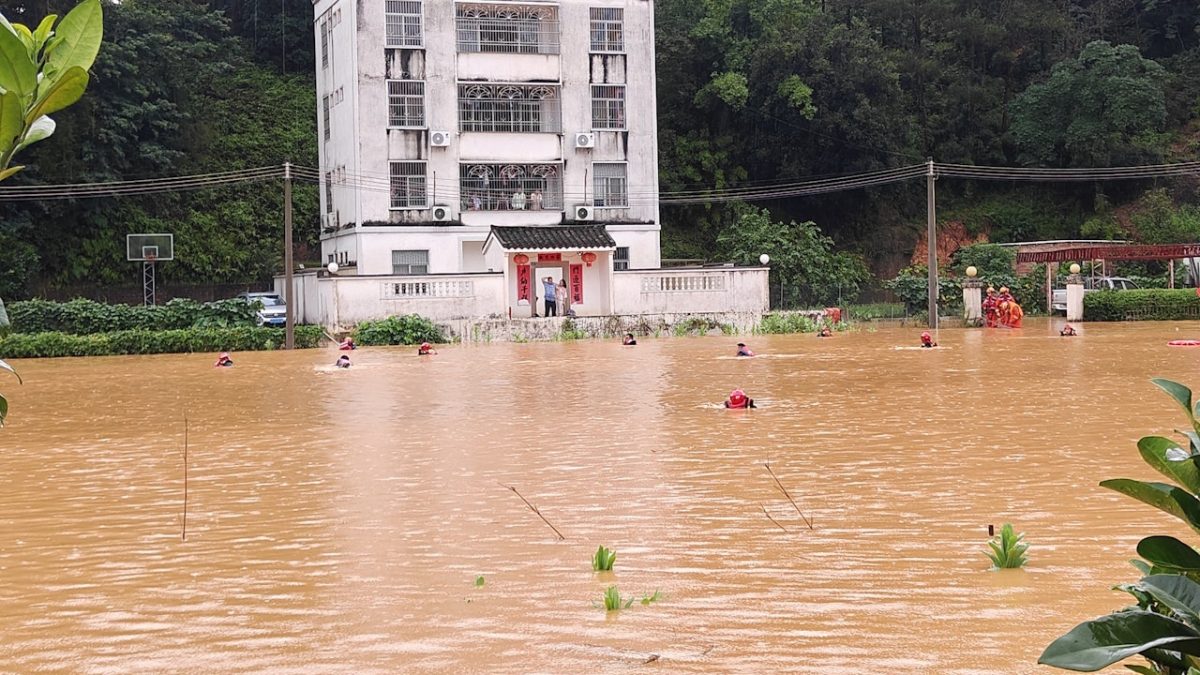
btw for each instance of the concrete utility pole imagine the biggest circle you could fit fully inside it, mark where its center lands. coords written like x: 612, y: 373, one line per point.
x: 931, y: 236
x: 290, y: 328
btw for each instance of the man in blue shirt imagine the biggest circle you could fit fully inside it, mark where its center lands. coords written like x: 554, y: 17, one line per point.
x: 549, y: 290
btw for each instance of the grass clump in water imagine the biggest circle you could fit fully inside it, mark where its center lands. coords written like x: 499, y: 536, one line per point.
x: 613, y: 600
x: 603, y: 559
x: 1008, y: 549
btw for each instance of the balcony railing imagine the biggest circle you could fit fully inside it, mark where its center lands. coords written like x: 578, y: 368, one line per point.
x: 507, y: 29
x: 511, y: 187
x: 509, y: 108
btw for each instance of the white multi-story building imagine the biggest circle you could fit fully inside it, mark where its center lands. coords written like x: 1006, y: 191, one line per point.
x: 469, y: 150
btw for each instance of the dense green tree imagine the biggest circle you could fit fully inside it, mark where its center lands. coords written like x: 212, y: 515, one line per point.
x: 1105, y: 108
x: 802, y: 259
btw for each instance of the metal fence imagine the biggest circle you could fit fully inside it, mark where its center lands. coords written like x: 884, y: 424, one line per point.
x: 511, y: 187
x: 508, y: 29
x: 509, y: 107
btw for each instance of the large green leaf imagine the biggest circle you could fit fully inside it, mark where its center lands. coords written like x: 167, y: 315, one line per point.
x: 10, y: 171
x: 18, y: 73
x: 1175, y: 501
x: 1179, y: 593
x: 58, y: 93
x: 1099, y: 643
x: 1169, y: 553
x: 1154, y: 451
x: 1180, y: 393
x: 5, y: 366
x: 12, y: 121
x: 80, y: 32
x: 3, y: 409
x: 44, y: 30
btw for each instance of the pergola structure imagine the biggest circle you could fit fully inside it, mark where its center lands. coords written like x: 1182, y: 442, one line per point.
x: 1035, y: 252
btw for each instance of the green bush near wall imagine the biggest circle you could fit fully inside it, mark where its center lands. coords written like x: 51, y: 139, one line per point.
x: 410, y: 329
x: 240, y: 339
x: 84, y: 317
x: 1147, y: 304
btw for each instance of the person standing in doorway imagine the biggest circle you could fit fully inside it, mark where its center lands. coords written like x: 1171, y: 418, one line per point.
x: 550, y: 292
x: 563, y: 299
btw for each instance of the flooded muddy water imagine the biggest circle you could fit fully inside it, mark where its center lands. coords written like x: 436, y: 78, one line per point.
x: 337, y: 521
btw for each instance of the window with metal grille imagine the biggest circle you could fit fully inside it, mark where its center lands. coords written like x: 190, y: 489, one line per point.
x: 328, y: 192
x: 406, y: 103
x: 408, y: 185
x: 609, y: 185
x: 511, y: 187
x: 621, y: 258
x: 509, y: 107
x: 608, y: 106
x: 404, y: 23
x: 507, y: 28
x: 325, y: 115
x: 608, y: 29
x: 324, y: 44
x: 410, y: 262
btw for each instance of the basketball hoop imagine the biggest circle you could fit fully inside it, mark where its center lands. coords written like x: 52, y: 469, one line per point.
x: 151, y: 258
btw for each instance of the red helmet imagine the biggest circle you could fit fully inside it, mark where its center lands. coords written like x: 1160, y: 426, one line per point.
x: 426, y: 345
x: 926, y: 334
x: 737, y: 397
x: 224, y: 355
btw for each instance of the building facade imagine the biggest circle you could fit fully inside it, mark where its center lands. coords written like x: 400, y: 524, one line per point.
x: 471, y: 150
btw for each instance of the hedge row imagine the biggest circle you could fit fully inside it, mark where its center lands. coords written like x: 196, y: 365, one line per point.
x: 41, y: 345
x: 1147, y: 304
x: 409, y: 329
x: 84, y: 317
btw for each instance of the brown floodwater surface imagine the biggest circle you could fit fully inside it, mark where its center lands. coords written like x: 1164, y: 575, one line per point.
x: 337, y: 520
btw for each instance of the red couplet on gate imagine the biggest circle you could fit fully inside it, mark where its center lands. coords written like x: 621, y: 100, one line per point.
x: 577, y: 284
x: 523, y: 288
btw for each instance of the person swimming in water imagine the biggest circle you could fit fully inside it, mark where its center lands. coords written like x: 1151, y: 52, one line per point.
x: 425, y: 349
x: 223, y: 361
x: 629, y: 340
x: 825, y: 332
x: 1068, y: 331
x: 738, y: 399
x: 343, y: 361
x: 927, y: 340
x: 347, y: 344
x: 743, y: 350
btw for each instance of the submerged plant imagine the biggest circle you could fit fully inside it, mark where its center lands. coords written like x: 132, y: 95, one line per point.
x: 646, y: 600
x: 613, y: 600
x: 480, y: 581
x: 1007, y: 549
x: 603, y: 559
x: 1164, y: 625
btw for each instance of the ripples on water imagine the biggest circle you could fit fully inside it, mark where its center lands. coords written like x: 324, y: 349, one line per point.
x: 337, y: 520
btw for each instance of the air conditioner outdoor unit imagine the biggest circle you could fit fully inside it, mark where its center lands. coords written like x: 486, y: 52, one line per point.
x: 439, y: 139
x: 584, y: 212
x: 585, y: 140
x: 441, y: 214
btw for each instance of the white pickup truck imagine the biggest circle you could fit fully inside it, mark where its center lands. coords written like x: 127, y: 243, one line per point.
x: 1059, y: 300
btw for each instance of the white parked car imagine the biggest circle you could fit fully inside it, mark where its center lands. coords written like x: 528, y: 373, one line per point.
x: 1059, y: 299
x: 273, y: 312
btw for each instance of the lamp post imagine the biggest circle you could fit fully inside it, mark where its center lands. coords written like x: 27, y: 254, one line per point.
x: 333, y: 270
x: 972, y: 300
x: 764, y: 260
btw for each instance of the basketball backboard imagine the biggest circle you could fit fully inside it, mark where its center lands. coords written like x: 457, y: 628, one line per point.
x: 149, y: 247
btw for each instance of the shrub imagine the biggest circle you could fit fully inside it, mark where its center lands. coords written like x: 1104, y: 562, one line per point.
x: 613, y: 600
x: 698, y: 325
x: 84, y: 317
x: 1007, y: 550
x: 242, y: 338
x: 603, y: 559
x: 786, y: 323
x: 1149, y: 304
x: 411, y: 329
x: 1164, y: 624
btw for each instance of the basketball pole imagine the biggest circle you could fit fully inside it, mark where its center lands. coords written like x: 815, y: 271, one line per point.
x: 290, y: 329
x: 931, y: 241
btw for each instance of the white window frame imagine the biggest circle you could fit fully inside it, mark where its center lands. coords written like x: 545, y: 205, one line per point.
x: 619, y: 262
x: 407, y: 179
x: 603, y: 21
x: 409, y: 265
x: 324, y: 45
x: 605, y: 185
x: 325, y: 115
x: 404, y: 19
x: 609, y: 109
x: 406, y: 99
